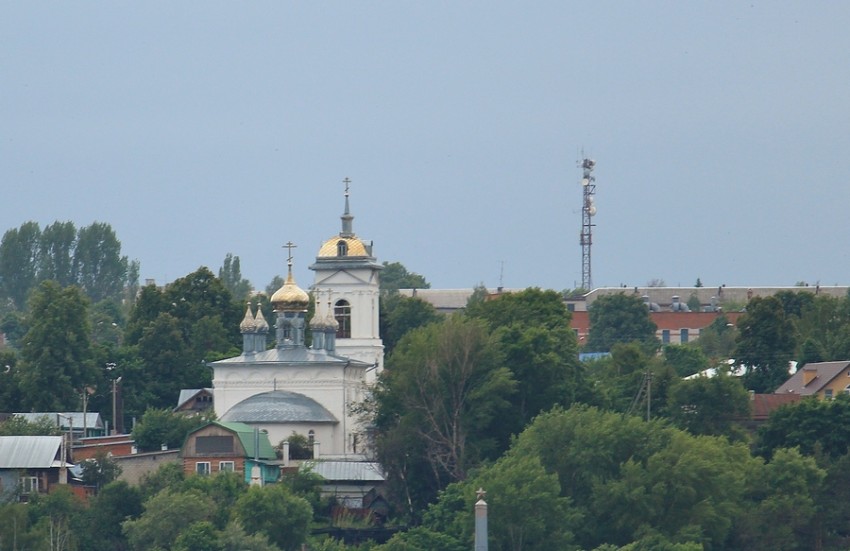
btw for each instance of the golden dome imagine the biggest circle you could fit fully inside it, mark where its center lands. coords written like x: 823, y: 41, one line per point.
x: 351, y: 246
x: 290, y: 297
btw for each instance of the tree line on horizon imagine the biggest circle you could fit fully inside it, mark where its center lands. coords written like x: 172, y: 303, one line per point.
x: 496, y: 397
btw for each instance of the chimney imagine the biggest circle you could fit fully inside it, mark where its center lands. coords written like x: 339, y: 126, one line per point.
x: 809, y: 375
x: 286, y: 453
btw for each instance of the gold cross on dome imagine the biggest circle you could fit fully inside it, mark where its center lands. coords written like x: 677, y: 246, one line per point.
x: 289, y: 245
x: 347, y: 181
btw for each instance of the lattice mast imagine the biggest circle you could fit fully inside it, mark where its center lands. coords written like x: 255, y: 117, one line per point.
x: 588, y: 210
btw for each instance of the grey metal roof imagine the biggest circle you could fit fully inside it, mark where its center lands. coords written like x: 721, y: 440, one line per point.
x: 28, y: 452
x: 187, y: 394
x: 278, y: 406
x: 366, y: 471
x: 60, y: 419
x: 297, y: 355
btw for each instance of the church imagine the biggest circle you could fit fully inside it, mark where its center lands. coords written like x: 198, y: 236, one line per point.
x: 310, y: 390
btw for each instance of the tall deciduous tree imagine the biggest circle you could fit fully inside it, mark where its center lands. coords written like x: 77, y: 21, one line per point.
x: 532, y: 328
x: 400, y: 314
x: 100, y: 529
x: 201, y: 294
x: 230, y: 275
x: 810, y: 425
x: 766, y: 343
x: 56, y: 253
x: 824, y: 329
x: 19, y: 263
x: 166, y: 515
x: 619, y: 318
x: 542, y: 522
x: 100, y: 268
x: 162, y: 426
x: 717, y: 341
x: 709, y: 405
x: 274, y: 511
x: 57, y: 351
x: 437, y: 403
x: 395, y: 276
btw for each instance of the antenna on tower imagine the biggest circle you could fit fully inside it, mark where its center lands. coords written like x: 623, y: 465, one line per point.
x: 588, y: 210
x: 501, y: 274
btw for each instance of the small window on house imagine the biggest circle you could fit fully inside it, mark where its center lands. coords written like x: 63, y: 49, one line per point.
x: 683, y: 336
x: 847, y: 390
x: 342, y: 313
x: 571, y: 307
x: 341, y: 248
x: 827, y: 394
x: 225, y: 466
x: 665, y: 336
x: 29, y: 485
x: 213, y: 444
x: 202, y: 468
x: 311, y: 436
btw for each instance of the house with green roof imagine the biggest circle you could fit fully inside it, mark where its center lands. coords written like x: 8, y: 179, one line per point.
x: 230, y: 447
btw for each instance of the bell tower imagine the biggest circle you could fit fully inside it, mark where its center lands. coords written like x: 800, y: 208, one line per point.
x: 348, y: 273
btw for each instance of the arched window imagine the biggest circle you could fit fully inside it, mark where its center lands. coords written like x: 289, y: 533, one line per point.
x: 311, y: 436
x: 341, y: 248
x: 342, y: 313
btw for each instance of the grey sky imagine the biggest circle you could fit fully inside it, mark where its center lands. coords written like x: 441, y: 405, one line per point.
x: 721, y: 132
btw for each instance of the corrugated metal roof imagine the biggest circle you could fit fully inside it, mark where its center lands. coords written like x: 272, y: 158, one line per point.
x: 187, y: 394
x: 297, y: 355
x: 278, y: 406
x: 60, y: 419
x: 365, y: 471
x: 28, y: 452
x: 246, y: 436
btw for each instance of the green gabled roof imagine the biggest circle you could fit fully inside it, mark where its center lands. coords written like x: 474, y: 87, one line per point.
x: 245, y: 433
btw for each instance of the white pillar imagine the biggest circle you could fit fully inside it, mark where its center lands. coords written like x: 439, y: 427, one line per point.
x: 480, y: 521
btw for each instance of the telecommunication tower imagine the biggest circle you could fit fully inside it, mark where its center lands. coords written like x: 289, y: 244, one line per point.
x: 588, y: 210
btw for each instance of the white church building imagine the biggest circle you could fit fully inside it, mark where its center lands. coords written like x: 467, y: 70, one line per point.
x: 310, y: 390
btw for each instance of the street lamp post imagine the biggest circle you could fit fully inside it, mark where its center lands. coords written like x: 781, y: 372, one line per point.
x: 115, y: 423
x: 63, y: 472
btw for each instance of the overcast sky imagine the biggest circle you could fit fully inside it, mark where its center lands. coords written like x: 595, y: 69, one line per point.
x: 721, y: 132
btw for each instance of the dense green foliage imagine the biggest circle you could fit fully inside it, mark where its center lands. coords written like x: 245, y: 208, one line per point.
x: 395, y: 276
x: 492, y: 398
x: 89, y: 258
x: 766, y: 343
x: 159, y: 427
x: 619, y: 318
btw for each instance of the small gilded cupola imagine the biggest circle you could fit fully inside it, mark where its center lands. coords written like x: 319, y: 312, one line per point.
x: 248, y: 328
x: 254, y: 330
x: 290, y: 306
x: 317, y: 326
x: 262, y: 328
